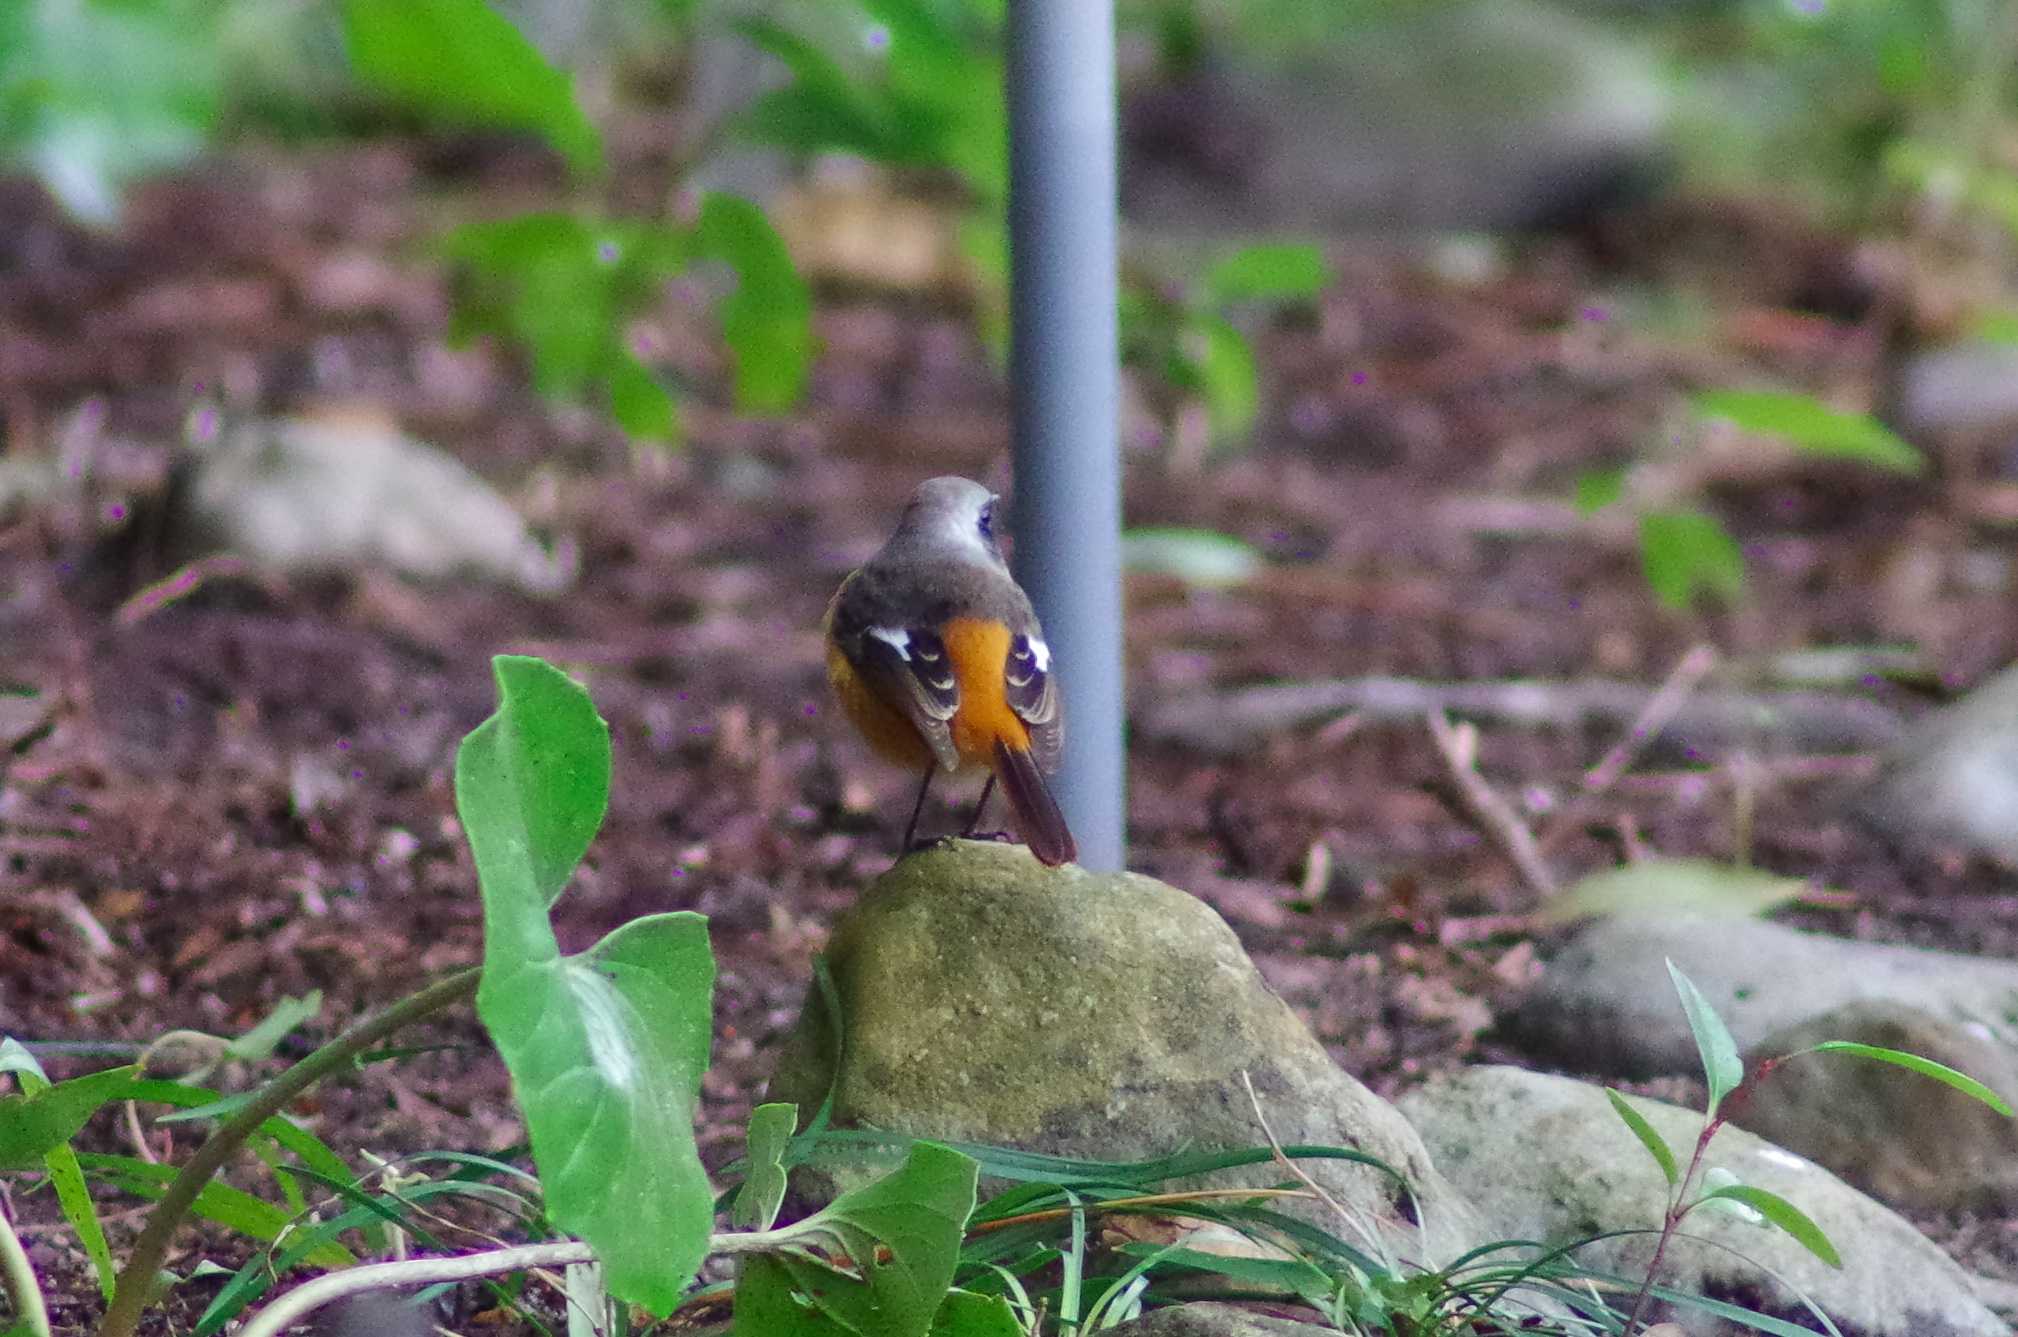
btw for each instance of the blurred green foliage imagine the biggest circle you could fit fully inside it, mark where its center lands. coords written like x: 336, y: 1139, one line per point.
x: 97, y: 93
x: 1687, y: 554
x: 566, y: 290
x: 1184, y: 332
x: 923, y: 90
x: 462, y: 61
x: 1813, y: 427
x: 1844, y: 101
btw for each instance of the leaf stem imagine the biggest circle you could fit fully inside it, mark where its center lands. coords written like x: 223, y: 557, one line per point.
x: 19, y: 1275
x: 135, y: 1286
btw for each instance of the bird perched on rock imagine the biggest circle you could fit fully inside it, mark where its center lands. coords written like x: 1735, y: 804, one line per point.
x: 938, y: 660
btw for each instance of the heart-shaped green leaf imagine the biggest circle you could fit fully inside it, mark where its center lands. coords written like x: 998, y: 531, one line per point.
x: 605, y: 1049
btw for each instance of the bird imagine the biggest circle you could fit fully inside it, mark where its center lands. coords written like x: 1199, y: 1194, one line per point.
x: 937, y: 658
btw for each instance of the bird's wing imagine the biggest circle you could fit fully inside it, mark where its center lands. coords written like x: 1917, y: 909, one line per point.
x: 1033, y: 694
x: 906, y: 666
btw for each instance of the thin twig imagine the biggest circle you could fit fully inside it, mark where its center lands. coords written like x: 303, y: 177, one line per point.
x: 1228, y: 722
x: 1659, y: 711
x: 1483, y: 804
x: 1368, y: 1235
x: 1661, y: 707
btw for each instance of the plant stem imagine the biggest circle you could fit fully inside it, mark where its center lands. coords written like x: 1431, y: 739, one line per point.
x: 135, y: 1285
x: 23, y: 1289
x: 1678, y: 1207
x: 313, y: 1295
x: 332, y: 1286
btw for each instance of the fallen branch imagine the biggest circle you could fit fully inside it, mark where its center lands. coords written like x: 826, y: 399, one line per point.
x: 1232, y: 722
x: 1482, y: 803
x: 1659, y: 710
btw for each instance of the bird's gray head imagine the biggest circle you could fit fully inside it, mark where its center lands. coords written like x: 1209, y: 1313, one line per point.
x: 951, y: 515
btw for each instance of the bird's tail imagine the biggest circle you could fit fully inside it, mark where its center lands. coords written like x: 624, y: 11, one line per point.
x: 1038, y: 820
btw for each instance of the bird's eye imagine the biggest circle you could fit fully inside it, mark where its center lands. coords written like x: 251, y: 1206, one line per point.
x: 987, y: 521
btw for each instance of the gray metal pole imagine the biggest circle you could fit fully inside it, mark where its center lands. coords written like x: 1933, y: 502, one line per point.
x: 1064, y: 387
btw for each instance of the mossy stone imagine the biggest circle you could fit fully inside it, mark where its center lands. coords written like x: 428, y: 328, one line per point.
x: 989, y: 999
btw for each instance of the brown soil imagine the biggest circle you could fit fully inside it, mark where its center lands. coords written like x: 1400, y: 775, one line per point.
x: 244, y: 794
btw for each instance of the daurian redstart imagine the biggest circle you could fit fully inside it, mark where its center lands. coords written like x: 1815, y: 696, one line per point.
x: 938, y: 660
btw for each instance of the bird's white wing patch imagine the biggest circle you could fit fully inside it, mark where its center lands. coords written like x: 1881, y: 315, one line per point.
x: 896, y: 638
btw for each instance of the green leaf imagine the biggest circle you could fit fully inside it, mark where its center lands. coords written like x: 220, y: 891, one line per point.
x: 770, y: 1303
x: 1293, y: 1276
x: 1813, y: 426
x: 93, y: 96
x: 531, y: 785
x: 965, y: 1314
x: 1216, y: 360
x: 1926, y: 1067
x: 288, y: 1013
x: 764, y: 1146
x: 18, y: 1059
x: 1670, y: 887
x: 1648, y: 1135
x: 1267, y: 273
x: 233, y: 1208
x: 1199, y: 557
x: 1721, y: 1066
x: 641, y: 405
x: 1782, y: 1214
x: 823, y: 109
x: 464, y: 62
x: 605, y: 1049
x: 65, y: 1175
x: 1686, y: 553
x: 1597, y: 489
x: 767, y: 323
x: 917, y: 1213
x: 32, y: 1124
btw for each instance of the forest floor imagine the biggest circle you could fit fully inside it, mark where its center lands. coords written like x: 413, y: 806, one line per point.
x: 210, y: 803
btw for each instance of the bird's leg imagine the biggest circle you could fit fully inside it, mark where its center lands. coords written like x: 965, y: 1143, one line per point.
x: 973, y: 829
x: 918, y: 808
x: 974, y: 822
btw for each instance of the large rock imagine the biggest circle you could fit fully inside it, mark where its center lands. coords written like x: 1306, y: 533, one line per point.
x: 1547, y: 1159
x: 1951, y: 784
x: 1109, y: 1016
x: 1899, y: 1136
x: 1605, y: 1003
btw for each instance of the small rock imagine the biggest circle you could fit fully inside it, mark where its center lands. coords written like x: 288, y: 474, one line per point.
x: 1547, y: 1159
x: 1605, y: 1002
x: 1963, y: 387
x: 1899, y: 1136
x: 1951, y: 784
x: 1213, y: 1319
x: 1109, y: 1016
x: 346, y: 489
